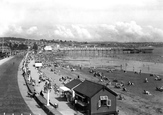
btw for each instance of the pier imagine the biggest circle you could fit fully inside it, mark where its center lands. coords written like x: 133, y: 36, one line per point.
x: 92, y: 52
x: 102, y: 52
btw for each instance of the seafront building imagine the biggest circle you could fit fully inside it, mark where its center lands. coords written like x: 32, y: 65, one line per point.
x: 91, y: 98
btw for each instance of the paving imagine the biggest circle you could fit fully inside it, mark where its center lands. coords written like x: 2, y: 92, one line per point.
x: 64, y: 108
x: 11, y: 100
x: 32, y: 104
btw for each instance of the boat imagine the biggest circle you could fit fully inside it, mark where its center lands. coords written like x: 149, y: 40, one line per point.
x: 148, y: 49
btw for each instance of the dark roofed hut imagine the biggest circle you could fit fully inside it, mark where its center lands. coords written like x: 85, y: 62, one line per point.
x: 71, y: 85
x: 95, y: 99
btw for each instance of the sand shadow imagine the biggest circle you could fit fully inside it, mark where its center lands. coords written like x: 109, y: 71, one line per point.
x: 70, y: 105
x: 38, y: 106
x: 61, y: 99
x: 76, y: 108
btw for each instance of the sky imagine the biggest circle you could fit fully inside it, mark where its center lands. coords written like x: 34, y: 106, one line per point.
x: 83, y: 20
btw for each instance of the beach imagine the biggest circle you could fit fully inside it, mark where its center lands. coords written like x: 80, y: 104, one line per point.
x: 133, y: 101
x: 128, y: 65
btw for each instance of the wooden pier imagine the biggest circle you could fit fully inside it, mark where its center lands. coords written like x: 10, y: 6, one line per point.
x: 101, y: 51
x: 92, y: 52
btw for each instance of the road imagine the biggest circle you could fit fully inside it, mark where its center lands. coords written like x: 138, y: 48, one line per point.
x: 11, y: 100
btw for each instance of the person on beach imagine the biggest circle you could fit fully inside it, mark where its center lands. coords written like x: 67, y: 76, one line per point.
x: 121, y: 67
x: 41, y: 93
x: 23, y: 73
x: 124, y: 89
x: 147, y: 92
x: 146, y: 80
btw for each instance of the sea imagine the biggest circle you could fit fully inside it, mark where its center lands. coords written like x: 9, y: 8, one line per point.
x: 141, y: 62
x: 138, y: 62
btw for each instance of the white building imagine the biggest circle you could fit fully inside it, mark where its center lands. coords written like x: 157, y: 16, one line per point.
x: 48, y: 48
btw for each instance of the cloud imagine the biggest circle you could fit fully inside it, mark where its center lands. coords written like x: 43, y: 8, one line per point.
x: 81, y: 32
x: 130, y: 28
x: 79, y: 11
x: 155, y: 34
x: 129, y: 32
x: 120, y: 32
x: 3, y: 29
x: 10, y: 30
x: 68, y: 20
x: 31, y: 30
x: 75, y: 32
x: 18, y: 31
x: 62, y: 31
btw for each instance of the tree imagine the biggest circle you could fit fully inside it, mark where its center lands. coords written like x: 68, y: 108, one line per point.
x: 35, y: 47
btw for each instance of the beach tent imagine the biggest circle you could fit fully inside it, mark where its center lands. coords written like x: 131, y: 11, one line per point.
x: 64, y: 89
x: 48, y: 48
x: 38, y: 64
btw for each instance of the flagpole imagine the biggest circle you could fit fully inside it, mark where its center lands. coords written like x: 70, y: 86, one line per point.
x: 2, y: 45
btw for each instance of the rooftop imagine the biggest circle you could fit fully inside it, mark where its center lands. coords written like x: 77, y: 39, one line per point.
x: 89, y: 88
x: 73, y: 83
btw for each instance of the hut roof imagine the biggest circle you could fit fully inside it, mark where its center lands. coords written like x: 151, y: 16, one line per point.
x: 73, y: 83
x: 89, y: 88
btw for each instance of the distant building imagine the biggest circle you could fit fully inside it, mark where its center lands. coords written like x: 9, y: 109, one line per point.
x: 48, y: 48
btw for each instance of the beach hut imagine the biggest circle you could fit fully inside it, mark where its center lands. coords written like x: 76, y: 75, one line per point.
x: 64, y: 90
x: 48, y: 48
x: 95, y: 99
x: 71, y: 85
x: 38, y: 64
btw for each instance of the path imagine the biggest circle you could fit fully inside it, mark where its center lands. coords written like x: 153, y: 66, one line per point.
x: 11, y: 100
x: 32, y: 104
x: 63, y: 108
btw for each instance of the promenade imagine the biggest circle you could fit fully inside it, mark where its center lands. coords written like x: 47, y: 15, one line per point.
x: 32, y: 104
x: 64, y: 107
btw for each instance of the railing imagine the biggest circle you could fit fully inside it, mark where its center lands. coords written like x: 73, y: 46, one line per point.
x: 17, y: 114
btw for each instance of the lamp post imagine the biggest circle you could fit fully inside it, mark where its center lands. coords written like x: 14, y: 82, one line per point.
x: 48, y: 98
x: 48, y: 87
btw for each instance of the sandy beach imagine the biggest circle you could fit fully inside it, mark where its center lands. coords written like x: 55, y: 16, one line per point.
x: 108, y: 62
x: 133, y: 101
